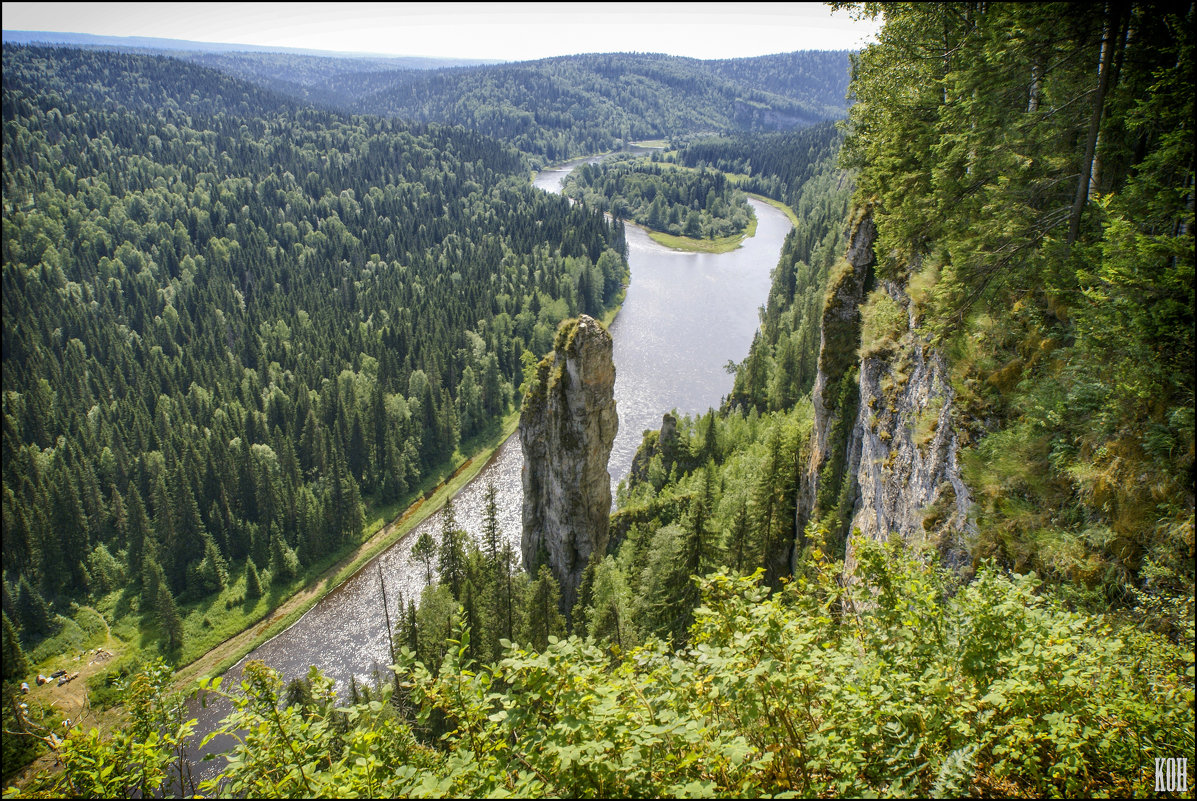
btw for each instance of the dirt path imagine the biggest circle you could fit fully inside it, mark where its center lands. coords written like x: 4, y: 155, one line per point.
x: 249, y: 638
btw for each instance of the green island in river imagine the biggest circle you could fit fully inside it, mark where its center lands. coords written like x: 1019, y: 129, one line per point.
x: 686, y: 209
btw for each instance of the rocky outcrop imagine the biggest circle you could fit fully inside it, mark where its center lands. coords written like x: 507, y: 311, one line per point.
x: 883, y: 453
x: 907, y: 470
x: 834, y: 396
x: 567, y: 425
x: 661, y: 443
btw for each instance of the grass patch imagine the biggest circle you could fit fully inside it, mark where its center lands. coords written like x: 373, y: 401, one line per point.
x: 777, y: 204
x: 650, y: 143
x: 86, y: 629
x: 882, y: 324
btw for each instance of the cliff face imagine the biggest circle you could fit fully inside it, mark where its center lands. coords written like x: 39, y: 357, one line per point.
x: 567, y: 425
x: 906, y: 471
x: 834, y: 396
x: 883, y: 449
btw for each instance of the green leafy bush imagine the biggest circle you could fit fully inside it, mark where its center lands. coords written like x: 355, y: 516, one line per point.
x: 882, y: 324
x: 899, y: 682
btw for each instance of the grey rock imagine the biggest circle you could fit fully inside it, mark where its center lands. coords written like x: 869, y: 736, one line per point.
x: 901, y: 456
x: 567, y: 426
x: 907, y: 469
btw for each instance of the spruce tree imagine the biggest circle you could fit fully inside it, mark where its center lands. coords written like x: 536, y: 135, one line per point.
x: 424, y: 552
x: 253, y: 582
x: 284, y: 564
x: 544, y: 614
x: 156, y: 595
x: 168, y: 616
x: 139, y: 534
x: 452, y: 564
x: 9, y: 598
x: 739, y: 539
x: 211, y: 573
x: 491, y: 534
x: 15, y: 664
x: 67, y: 518
x: 32, y: 611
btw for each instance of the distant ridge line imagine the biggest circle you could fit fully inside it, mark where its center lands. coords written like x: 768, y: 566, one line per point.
x: 161, y: 43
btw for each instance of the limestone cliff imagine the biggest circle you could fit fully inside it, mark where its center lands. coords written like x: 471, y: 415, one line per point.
x: 884, y: 452
x: 907, y: 471
x: 833, y: 453
x: 567, y: 426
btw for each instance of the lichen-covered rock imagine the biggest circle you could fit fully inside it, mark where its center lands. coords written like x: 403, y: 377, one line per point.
x: 567, y: 426
x: 883, y: 452
x: 907, y: 474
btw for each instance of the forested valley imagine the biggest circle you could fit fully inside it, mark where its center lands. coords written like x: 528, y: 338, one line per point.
x: 992, y: 273
x: 190, y: 390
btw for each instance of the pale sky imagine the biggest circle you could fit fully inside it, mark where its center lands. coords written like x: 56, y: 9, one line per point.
x: 509, y: 31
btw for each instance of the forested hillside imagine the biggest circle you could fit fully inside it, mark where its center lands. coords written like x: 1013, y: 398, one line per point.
x: 994, y: 274
x: 1033, y: 202
x: 776, y: 165
x: 577, y: 105
x: 323, y: 81
x: 227, y: 321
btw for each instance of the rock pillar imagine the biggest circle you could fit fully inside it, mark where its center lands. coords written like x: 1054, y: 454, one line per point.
x: 567, y: 426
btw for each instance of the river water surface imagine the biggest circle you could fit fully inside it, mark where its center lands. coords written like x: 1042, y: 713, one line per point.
x: 684, y: 317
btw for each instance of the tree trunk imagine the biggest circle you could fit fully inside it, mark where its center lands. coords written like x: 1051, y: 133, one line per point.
x: 1120, y: 43
x: 1103, y: 84
x: 1033, y: 101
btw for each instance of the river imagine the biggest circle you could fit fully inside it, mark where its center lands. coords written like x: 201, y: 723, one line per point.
x: 685, y: 315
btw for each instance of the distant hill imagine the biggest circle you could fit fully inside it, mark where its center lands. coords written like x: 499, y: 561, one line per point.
x: 110, y: 80
x: 554, y: 108
x: 566, y: 106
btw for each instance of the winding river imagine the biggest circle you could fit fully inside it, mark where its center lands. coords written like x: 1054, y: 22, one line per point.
x: 684, y: 317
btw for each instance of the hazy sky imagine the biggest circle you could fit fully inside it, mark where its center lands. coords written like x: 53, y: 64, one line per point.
x: 511, y: 31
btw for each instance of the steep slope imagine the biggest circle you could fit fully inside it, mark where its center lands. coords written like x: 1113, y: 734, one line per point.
x: 1017, y: 380
x: 884, y: 455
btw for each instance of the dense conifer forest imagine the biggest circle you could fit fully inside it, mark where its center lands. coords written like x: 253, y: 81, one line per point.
x: 571, y: 106
x: 224, y: 330
x: 1029, y: 172
x: 696, y: 204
